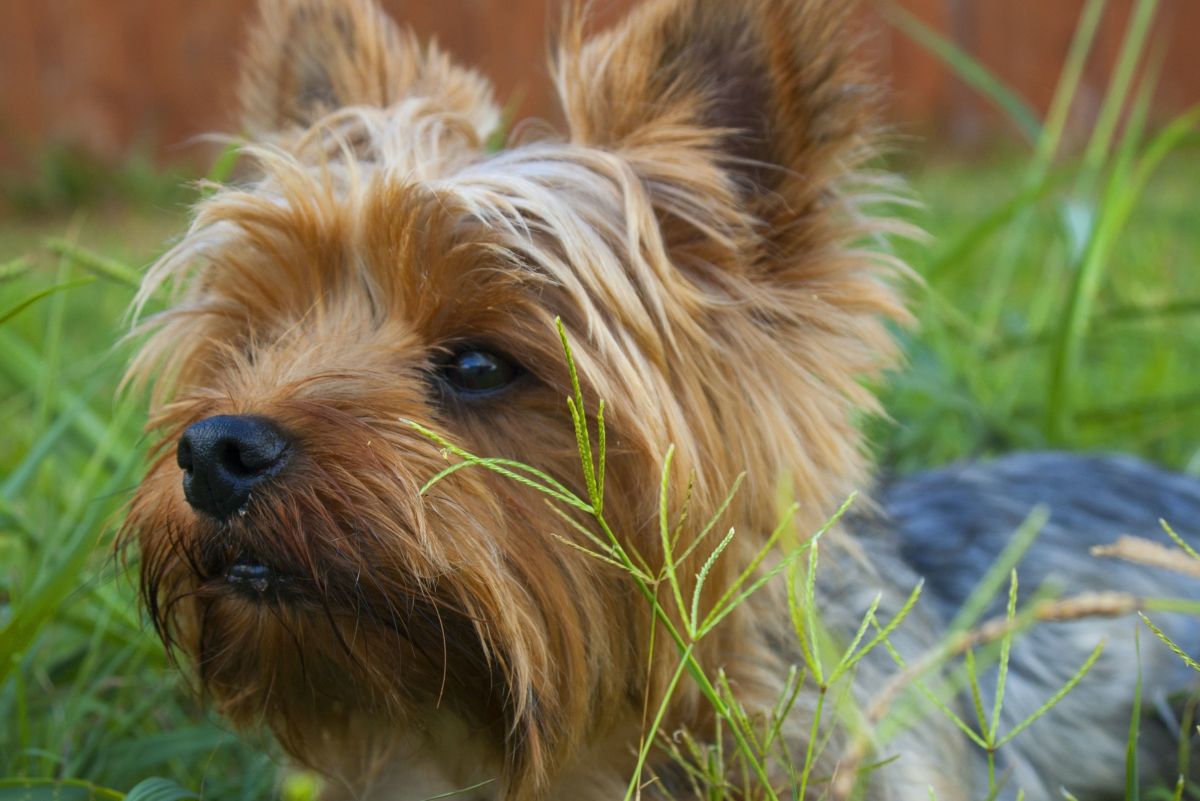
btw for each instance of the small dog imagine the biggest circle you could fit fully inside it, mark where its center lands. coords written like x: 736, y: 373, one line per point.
x: 385, y: 288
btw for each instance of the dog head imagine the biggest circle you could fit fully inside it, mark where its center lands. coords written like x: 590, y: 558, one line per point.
x: 699, y: 228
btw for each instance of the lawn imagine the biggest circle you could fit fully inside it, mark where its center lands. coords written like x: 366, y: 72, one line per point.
x: 1047, y: 319
x: 85, y: 691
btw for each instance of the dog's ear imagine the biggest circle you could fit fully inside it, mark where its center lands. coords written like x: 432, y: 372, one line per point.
x: 307, y: 58
x: 774, y: 90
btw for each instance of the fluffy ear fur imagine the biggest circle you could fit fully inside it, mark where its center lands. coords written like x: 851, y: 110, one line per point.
x: 773, y: 89
x: 748, y: 126
x: 308, y: 58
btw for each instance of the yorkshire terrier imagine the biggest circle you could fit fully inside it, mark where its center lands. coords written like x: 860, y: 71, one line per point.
x: 381, y: 296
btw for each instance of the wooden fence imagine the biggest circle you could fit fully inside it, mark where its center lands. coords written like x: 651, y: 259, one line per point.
x: 111, y: 76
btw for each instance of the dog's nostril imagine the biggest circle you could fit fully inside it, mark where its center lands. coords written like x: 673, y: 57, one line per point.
x: 240, y: 460
x: 250, y: 456
x: 183, y: 456
x: 225, y: 457
x: 230, y: 457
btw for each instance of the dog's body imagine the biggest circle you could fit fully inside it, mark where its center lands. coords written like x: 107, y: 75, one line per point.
x: 385, y: 289
x: 950, y: 527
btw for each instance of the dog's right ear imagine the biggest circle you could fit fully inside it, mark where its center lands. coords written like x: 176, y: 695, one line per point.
x: 307, y: 58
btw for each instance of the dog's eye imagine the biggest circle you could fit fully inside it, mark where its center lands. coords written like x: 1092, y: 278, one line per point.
x: 472, y: 371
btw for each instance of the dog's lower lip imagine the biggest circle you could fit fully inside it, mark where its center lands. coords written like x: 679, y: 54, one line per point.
x: 257, y: 577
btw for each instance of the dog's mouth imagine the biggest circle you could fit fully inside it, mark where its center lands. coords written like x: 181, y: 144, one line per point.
x: 253, y: 578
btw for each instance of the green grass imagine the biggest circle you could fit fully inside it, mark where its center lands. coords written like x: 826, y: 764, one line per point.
x: 87, y: 688
x: 978, y: 377
x: 85, y: 685
x: 85, y: 692
x: 1045, y: 300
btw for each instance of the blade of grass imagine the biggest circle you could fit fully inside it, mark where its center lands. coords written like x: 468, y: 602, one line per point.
x: 973, y: 73
x: 975, y: 693
x: 1010, y: 615
x: 13, y: 268
x: 712, y: 520
x: 1125, y: 187
x: 724, y: 604
x: 1132, y: 774
x: 1178, y: 540
x: 57, y: 581
x: 1115, y: 98
x: 957, y: 254
x: 224, y: 164
x: 702, y: 576
x: 883, y: 632
x: 22, y: 305
x: 650, y: 735
x: 101, y: 266
x: 1039, y: 173
x: 1167, y: 641
x: 664, y: 533
x: 987, y: 588
x: 26, y: 368
x: 1053, y: 700
x: 52, y: 347
x: 160, y: 790
x: 55, y: 790
x: 43, y: 447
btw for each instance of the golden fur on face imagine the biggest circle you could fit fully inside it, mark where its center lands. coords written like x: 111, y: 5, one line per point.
x: 699, y: 230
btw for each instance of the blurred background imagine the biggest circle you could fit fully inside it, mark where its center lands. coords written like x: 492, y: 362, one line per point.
x: 110, y: 79
x: 1053, y: 154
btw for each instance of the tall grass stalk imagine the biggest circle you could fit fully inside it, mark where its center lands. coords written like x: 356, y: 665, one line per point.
x: 1048, y: 145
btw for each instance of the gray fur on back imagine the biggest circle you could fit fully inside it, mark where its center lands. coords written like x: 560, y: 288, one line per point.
x: 952, y: 524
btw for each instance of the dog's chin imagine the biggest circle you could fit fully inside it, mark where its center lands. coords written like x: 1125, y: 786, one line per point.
x: 270, y: 641
x: 303, y: 619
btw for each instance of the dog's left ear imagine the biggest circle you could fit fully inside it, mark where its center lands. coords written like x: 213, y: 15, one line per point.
x: 773, y: 90
x: 307, y: 58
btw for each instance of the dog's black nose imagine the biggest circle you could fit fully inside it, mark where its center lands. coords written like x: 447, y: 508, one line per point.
x: 225, y: 457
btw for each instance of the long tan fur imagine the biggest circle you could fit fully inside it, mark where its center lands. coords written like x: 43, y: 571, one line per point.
x: 701, y: 230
